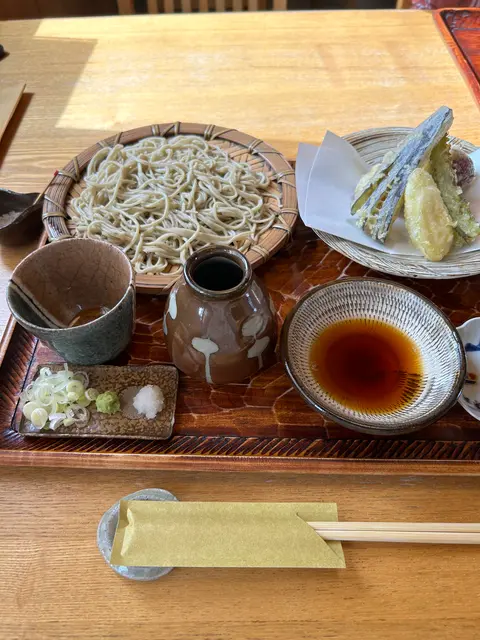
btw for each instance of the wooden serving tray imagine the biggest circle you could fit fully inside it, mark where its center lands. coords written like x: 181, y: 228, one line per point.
x: 263, y: 424
x: 460, y: 29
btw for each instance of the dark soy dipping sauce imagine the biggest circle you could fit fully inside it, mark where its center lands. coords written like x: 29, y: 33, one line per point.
x: 367, y: 365
x: 217, y: 274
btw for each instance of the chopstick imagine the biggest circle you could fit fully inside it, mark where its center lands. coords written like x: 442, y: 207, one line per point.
x: 40, y: 195
x: 410, y: 532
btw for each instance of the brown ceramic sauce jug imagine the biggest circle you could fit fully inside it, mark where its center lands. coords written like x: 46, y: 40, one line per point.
x: 219, y: 321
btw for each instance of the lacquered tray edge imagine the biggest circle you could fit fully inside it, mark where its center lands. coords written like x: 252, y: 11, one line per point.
x: 252, y: 464
x: 456, y: 50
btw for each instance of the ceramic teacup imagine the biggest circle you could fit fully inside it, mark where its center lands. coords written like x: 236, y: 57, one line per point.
x: 56, y: 283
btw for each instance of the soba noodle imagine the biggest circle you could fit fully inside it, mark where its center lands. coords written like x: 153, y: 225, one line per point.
x: 162, y: 198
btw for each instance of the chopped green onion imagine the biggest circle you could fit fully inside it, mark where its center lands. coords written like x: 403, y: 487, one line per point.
x: 91, y: 394
x: 56, y: 397
x: 39, y: 417
x: 29, y: 408
x: 56, y: 420
x: 75, y: 386
x: 82, y: 377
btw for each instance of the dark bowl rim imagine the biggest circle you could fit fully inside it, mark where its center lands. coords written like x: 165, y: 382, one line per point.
x: 226, y: 252
x: 420, y: 422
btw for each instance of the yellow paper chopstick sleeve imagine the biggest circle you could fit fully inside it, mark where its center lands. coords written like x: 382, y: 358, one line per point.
x: 224, y: 534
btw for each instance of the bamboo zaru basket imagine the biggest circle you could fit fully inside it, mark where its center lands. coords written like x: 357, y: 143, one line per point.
x: 280, y: 196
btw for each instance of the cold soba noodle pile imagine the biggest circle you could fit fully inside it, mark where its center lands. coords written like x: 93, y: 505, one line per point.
x: 160, y: 199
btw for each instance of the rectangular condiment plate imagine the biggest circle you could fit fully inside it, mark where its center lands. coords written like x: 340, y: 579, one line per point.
x: 101, y: 425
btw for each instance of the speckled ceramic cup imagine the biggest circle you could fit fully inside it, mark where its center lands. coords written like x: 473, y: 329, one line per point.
x: 52, y: 285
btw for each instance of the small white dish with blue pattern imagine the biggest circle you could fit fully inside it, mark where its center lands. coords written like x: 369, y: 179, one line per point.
x: 470, y: 396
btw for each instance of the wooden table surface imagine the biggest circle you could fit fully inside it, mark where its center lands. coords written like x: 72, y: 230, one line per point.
x: 284, y: 78
x: 55, y: 584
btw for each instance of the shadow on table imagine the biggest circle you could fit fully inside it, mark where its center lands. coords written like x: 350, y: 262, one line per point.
x: 42, y: 106
x: 14, y: 124
x: 28, y: 166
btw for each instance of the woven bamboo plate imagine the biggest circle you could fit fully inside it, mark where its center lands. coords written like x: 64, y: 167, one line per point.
x: 372, y: 144
x: 68, y: 183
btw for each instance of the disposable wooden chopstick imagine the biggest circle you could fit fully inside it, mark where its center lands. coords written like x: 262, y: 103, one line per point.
x: 450, y: 527
x: 411, y: 532
x: 40, y: 195
x: 9, y: 98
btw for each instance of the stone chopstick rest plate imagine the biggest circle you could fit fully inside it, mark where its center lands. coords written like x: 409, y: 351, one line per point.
x: 106, y: 534
x: 101, y: 425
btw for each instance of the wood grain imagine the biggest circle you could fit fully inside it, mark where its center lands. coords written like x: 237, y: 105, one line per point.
x: 56, y: 585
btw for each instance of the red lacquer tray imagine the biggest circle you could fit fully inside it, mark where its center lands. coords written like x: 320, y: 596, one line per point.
x: 460, y: 29
x: 262, y: 425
